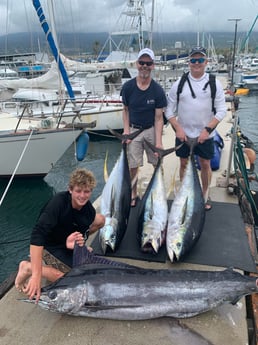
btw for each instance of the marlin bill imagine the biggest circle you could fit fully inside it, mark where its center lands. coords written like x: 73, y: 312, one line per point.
x: 113, y: 290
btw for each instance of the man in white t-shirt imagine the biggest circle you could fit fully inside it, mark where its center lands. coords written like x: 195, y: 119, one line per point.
x: 192, y: 116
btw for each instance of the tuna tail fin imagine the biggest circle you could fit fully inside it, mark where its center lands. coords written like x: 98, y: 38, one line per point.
x: 192, y: 142
x: 162, y: 153
x: 124, y: 137
x: 81, y: 256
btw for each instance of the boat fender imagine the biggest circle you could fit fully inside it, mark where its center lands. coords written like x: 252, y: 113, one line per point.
x: 82, y: 146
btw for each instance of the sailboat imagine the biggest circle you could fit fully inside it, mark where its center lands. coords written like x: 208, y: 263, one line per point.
x: 32, y: 150
x: 45, y: 96
x: 31, y: 146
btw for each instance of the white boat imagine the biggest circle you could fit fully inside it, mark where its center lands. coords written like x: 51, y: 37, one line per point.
x: 78, y: 72
x: 251, y: 84
x: 7, y: 73
x: 248, y: 75
x: 100, y: 112
x: 44, y: 149
x: 31, y: 147
x: 97, y: 100
x: 248, y: 79
x: 252, y: 65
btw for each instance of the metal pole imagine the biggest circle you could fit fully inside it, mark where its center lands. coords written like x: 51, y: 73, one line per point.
x: 232, y: 144
x: 233, y: 139
x: 234, y: 52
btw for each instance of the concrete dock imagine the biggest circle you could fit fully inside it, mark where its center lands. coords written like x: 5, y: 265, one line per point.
x: 24, y: 323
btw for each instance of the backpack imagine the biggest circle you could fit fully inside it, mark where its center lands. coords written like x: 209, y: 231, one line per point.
x: 212, y: 82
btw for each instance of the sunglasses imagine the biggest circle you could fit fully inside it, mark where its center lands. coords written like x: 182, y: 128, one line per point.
x: 199, y: 60
x: 147, y: 63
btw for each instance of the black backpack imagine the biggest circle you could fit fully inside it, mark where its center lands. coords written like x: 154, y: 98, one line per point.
x: 212, y: 82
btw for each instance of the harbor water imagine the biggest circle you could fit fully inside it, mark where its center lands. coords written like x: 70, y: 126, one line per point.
x: 25, y: 197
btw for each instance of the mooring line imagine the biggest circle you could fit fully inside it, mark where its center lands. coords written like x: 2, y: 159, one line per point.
x: 17, y: 166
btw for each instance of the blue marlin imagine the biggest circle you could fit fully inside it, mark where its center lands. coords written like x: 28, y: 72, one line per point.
x: 101, y: 288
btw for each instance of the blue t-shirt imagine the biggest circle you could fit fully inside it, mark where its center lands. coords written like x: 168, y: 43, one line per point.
x: 142, y: 104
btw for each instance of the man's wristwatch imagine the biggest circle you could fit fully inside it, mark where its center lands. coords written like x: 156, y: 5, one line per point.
x: 209, y: 129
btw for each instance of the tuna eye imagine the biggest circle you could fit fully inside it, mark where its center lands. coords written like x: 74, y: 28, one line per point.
x: 52, y: 294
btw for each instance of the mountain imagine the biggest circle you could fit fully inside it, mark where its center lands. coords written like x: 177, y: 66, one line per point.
x: 91, y: 43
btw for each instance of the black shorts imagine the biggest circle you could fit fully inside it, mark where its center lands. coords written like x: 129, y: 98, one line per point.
x: 205, y: 150
x: 63, y: 254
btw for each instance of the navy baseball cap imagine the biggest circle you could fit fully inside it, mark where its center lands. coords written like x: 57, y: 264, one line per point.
x: 198, y: 50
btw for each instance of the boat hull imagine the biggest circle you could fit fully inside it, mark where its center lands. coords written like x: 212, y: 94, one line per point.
x: 110, y: 116
x: 43, y: 151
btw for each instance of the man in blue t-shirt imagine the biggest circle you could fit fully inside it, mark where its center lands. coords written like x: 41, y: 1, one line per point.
x: 144, y: 101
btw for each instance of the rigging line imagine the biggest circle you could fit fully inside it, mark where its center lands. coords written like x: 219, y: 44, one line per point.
x: 6, y: 27
x: 17, y: 165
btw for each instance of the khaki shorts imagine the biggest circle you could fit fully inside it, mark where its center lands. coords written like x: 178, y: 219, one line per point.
x: 137, y: 147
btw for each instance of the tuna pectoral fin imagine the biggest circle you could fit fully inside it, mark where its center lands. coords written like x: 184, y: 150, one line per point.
x: 124, y: 137
x: 183, y: 315
x: 81, y: 256
x: 161, y: 152
x: 184, y: 211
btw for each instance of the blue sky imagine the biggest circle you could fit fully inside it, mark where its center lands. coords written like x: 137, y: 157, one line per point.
x: 102, y: 15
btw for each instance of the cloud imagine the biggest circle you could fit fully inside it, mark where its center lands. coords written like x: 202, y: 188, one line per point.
x: 100, y: 16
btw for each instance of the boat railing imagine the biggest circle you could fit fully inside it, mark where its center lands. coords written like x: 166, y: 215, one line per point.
x: 20, y: 118
x: 42, y: 109
x: 53, y: 113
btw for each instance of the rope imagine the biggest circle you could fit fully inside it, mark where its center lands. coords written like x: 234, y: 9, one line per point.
x: 17, y: 166
x: 240, y: 166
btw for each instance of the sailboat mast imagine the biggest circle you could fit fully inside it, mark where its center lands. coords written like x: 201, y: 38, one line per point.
x: 141, y: 41
x: 52, y: 22
x: 198, y: 29
x: 152, y: 21
x: 53, y: 47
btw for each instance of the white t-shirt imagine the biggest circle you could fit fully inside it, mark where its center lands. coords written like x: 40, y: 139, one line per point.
x: 193, y: 114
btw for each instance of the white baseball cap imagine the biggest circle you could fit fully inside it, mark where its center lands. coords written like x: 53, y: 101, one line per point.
x: 146, y: 51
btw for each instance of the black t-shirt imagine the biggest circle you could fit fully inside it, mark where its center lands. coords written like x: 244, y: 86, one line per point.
x: 58, y: 219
